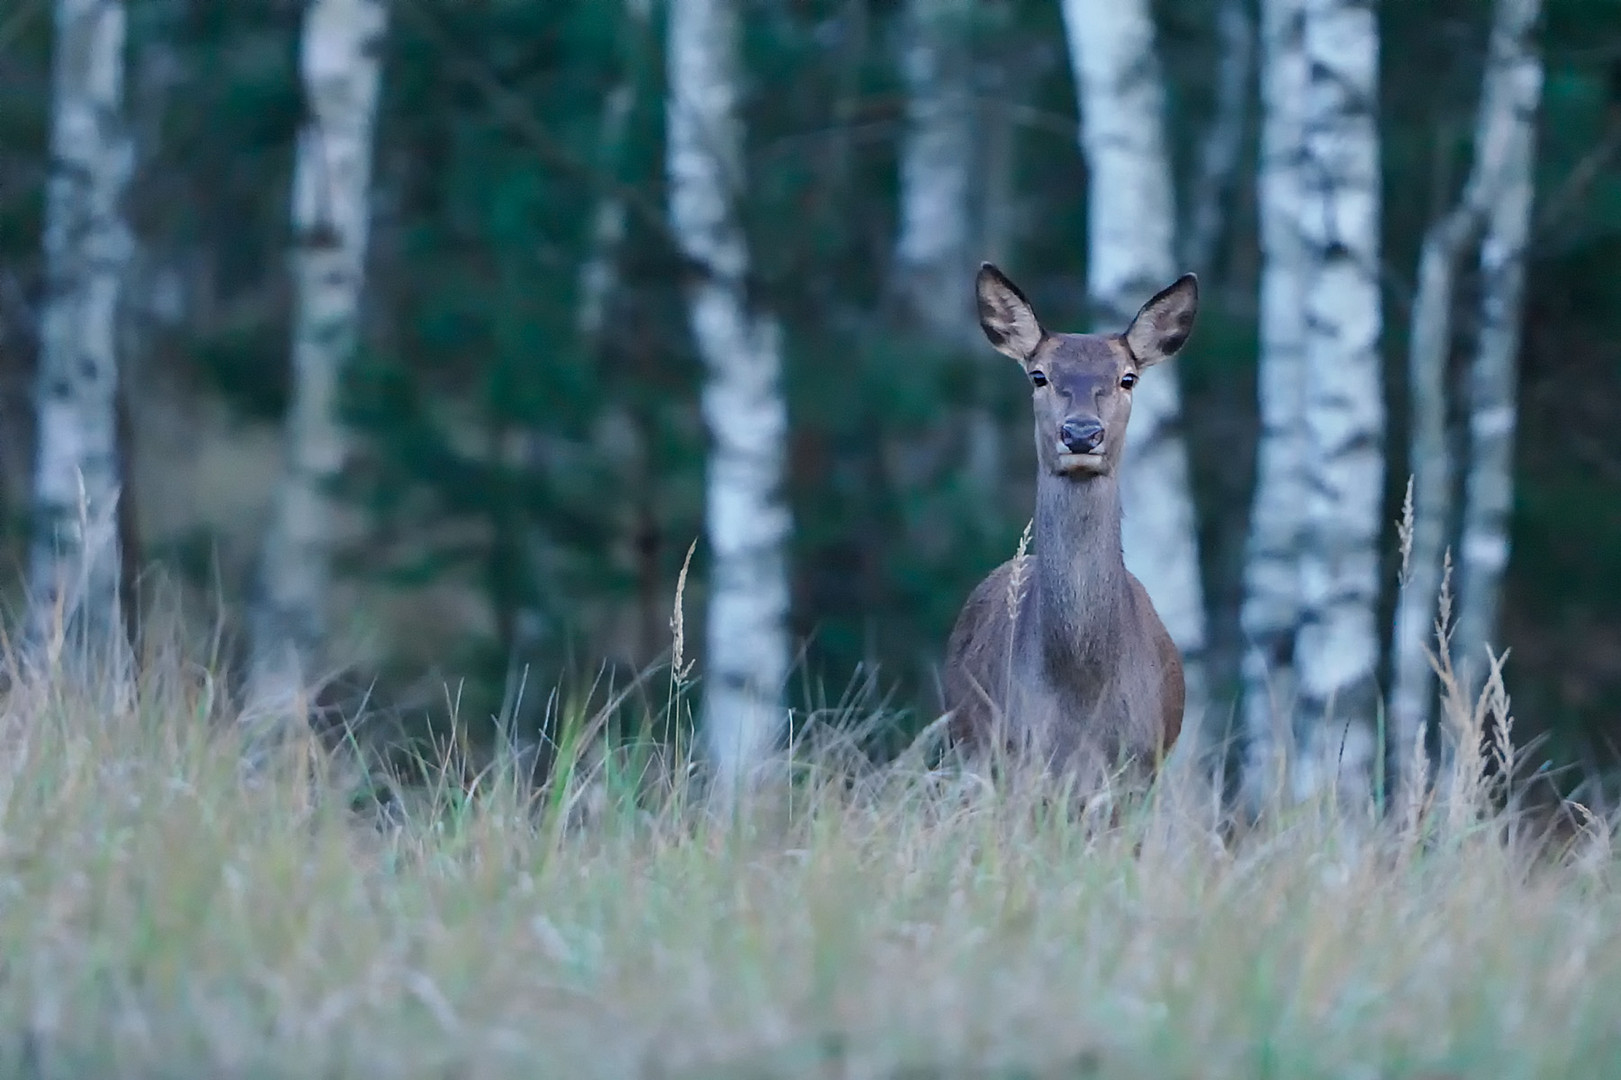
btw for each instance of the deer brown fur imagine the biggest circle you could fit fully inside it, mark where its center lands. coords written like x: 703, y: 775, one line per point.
x: 1060, y: 650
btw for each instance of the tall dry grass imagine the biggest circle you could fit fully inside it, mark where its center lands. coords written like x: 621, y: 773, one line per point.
x: 164, y: 913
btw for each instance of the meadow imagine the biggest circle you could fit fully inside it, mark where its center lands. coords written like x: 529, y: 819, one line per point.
x: 167, y: 913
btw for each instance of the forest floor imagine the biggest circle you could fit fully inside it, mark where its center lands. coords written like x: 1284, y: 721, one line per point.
x: 163, y: 915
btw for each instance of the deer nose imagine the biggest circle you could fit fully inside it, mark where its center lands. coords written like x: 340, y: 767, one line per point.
x: 1081, y: 436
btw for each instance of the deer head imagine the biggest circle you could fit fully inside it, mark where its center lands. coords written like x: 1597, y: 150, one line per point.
x: 1081, y: 383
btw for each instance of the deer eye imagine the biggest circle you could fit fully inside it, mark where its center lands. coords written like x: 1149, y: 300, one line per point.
x: 1128, y: 380
x: 1038, y: 379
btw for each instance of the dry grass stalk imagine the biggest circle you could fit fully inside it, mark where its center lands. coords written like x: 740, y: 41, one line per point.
x: 679, y: 671
x: 1017, y: 590
x: 1018, y: 578
x: 1495, y: 710
x: 1404, y: 535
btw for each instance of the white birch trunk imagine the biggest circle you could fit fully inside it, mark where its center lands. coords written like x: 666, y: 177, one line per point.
x: 934, y: 257
x: 746, y: 514
x: 1431, y: 466
x: 1131, y: 215
x: 599, y: 275
x: 1489, y: 481
x: 1270, y: 613
x: 1223, y: 143
x: 942, y: 222
x: 1337, y: 647
x: 1497, y: 193
x: 340, y: 59
x: 74, y: 564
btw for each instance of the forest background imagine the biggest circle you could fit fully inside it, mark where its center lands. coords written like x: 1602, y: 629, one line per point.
x: 518, y: 459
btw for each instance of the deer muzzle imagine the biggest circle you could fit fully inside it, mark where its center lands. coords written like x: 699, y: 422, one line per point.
x: 1080, y: 445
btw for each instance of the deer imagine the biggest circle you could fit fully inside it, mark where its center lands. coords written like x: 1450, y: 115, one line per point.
x: 1060, y: 651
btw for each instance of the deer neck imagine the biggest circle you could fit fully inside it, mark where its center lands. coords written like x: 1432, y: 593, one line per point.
x: 1080, y: 585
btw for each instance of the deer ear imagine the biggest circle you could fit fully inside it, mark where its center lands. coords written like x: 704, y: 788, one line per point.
x: 1005, y: 315
x: 1162, y: 327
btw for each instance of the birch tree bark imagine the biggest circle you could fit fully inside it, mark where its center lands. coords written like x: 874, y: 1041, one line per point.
x: 340, y: 59
x: 1337, y: 648
x: 599, y: 275
x: 1497, y: 194
x: 746, y: 514
x: 942, y: 226
x: 1429, y: 347
x: 934, y: 257
x: 74, y: 559
x: 1493, y: 375
x: 1270, y: 613
x: 1131, y: 216
x: 1223, y: 142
